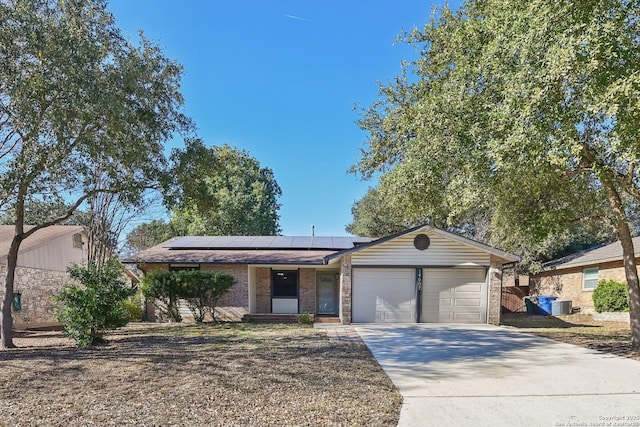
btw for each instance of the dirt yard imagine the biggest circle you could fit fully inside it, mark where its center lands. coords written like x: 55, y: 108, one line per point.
x: 578, y: 329
x: 219, y: 375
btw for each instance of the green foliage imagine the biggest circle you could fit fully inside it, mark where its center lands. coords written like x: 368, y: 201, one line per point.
x: 97, y: 305
x: 305, y: 318
x: 203, y: 289
x: 525, y: 110
x: 164, y: 290
x: 222, y: 191
x: 149, y: 234
x: 133, y: 307
x: 374, y: 217
x: 610, y: 295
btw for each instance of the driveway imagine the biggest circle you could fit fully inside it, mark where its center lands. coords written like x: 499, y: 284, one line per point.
x: 453, y: 375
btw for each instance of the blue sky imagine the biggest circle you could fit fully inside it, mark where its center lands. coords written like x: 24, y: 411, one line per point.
x: 281, y: 80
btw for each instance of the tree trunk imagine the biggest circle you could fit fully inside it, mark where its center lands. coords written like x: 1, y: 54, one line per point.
x: 6, y: 320
x: 629, y: 260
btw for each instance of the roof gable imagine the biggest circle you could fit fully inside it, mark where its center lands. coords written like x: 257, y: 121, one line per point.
x: 432, y: 230
x: 37, y: 239
x: 595, y: 255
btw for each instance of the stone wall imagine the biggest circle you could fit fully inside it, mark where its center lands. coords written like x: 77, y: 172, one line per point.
x: 307, y: 287
x: 36, y: 286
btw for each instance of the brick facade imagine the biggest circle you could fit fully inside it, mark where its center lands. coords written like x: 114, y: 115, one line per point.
x: 566, y: 284
x: 263, y: 290
x: 307, y: 290
x: 235, y: 303
x: 345, y: 289
x: 494, y: 303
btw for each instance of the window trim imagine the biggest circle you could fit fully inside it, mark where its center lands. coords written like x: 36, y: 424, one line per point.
x: 586, y: 271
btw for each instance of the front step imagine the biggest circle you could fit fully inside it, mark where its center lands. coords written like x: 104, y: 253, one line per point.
x: 326, y: 319
x: 270, y: 318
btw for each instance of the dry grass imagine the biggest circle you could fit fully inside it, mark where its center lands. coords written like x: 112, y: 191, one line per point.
x: 230, y: 374
x: 578, y: 329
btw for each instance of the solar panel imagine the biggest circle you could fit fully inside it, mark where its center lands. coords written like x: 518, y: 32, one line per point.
x: 265, y: 242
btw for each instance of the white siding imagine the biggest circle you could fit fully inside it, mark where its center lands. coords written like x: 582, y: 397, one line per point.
x: 441, y: 252
x: 454, y: 296
x: 384, y: 295
x: 57, y: 255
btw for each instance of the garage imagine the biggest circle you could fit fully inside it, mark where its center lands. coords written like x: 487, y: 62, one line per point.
x: 384, y: 295
x: 454, y: 295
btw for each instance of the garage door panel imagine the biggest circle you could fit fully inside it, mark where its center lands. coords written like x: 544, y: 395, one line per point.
x: 383, y: 295
x: 454, y: 295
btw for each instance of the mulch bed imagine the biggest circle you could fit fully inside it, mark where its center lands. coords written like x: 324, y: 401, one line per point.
x: 219, y: 375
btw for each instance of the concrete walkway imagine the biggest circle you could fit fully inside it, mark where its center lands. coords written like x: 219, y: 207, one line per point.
x: 451, y: 375
x: 338, y: 332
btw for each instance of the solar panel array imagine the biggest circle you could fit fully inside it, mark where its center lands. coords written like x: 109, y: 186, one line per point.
x: 266, y: 242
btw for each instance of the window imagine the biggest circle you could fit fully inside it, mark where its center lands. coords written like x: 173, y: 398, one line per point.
x: 589, y: 278
x: 184, y: 267
x: 285, y: 284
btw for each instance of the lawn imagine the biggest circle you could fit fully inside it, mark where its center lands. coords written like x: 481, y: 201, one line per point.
x: 578, y: 329
x: 225, y: 374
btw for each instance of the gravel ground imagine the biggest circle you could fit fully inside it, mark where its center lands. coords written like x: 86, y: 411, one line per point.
x: 578, y: 329
x: 218, y: 375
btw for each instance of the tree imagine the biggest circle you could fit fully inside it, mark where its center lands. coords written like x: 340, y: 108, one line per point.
x: 374, y: 217
x: 82, y: 112
x: 149, y: 234
x: 222, y: 191
x: 528, y: 109
x: 89, y: 310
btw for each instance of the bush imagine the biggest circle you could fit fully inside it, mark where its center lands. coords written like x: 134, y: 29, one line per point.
x: 305, y: 318
x: 89, y: 310
x: 164, y: 290
x: 201, y: 291
x: 611, y: 295
x: 133, y: 307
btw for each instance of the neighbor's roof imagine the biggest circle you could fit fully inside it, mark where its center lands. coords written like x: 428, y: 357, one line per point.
x: 37, y: 239
x: 596, y: 255
x: 300, y: 250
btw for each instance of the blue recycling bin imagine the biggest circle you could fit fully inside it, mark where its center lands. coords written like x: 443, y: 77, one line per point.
x: 545, y: 302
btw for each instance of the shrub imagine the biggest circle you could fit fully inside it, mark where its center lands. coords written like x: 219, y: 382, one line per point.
x: 611, y: 295
x: 164, y: 290
x: 202, y: 290
x: 133, y: 307
x: 97, y: 305
x: 305, y: 318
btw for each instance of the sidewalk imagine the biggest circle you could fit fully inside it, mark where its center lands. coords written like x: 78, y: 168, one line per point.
x: 338, y: 332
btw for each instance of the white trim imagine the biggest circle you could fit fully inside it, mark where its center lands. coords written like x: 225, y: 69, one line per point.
x: 584, y: 275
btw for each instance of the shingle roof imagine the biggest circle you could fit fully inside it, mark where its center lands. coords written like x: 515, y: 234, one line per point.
x: 37, y: 239
x: 246, y: 249
x: 596, y: 255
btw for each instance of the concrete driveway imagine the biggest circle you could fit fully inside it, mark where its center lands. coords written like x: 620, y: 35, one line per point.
x: 453, y: 375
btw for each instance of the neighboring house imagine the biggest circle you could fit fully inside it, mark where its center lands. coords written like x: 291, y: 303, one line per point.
x: 43, y: 260
x: 422, y: 274
x: 574, y: 277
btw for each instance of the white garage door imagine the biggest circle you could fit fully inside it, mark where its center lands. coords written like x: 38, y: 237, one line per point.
x: 454, y: 295
x: 383, y: 295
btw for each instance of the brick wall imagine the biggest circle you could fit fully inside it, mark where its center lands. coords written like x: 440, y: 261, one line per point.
x: 494, y: 304
x: 263, y: 290
x: 37, y: 286
x: 235, y: 303
x: 345, y: 289
x: 567, y: 284
x: 307, y: 286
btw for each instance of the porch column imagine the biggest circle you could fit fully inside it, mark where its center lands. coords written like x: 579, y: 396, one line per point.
x: 345, y: 289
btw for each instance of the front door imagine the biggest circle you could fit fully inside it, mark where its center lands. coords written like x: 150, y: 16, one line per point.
x: 327, y: 293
